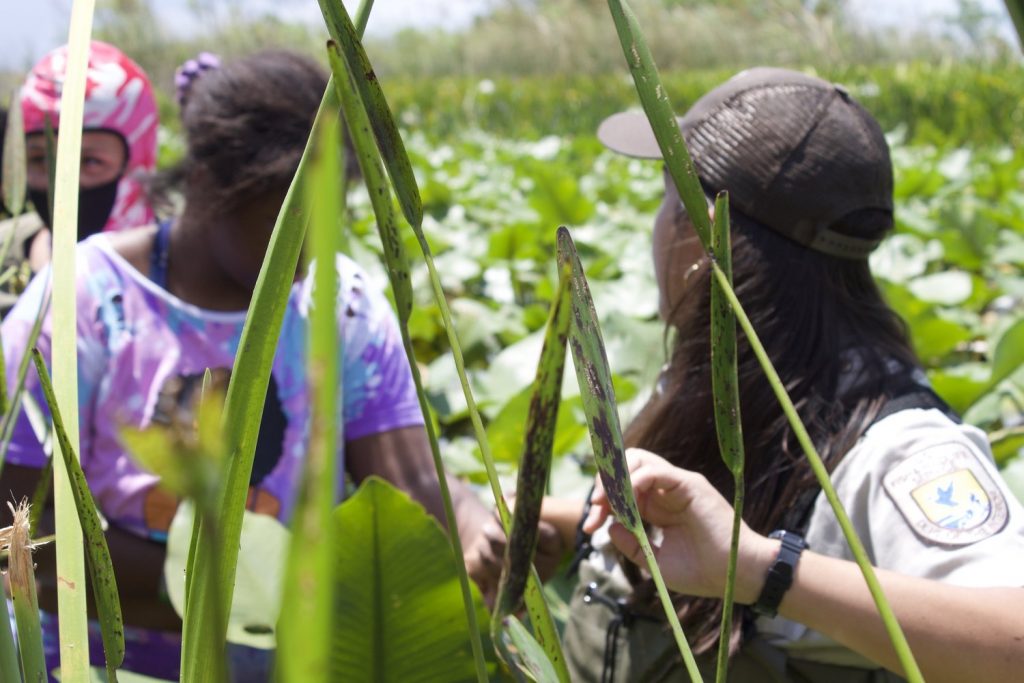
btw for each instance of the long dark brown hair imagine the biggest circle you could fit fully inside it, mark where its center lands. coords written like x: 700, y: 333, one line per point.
x: 833, y: 341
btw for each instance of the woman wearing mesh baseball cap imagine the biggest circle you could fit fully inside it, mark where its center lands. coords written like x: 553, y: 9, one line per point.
x: 810, y: 190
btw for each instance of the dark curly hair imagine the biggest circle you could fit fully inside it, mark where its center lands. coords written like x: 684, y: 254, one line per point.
x: 247, y: 123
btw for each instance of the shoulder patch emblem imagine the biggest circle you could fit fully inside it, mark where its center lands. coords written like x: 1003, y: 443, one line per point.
x: 947, y: 496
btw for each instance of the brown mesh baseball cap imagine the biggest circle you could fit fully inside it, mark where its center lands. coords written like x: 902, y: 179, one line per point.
x: 796, y: 154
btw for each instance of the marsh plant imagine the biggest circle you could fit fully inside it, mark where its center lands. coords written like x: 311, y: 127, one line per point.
x: 361, y: 610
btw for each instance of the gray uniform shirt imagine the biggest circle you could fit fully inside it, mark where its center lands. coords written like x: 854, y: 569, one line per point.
x: 926, y: 500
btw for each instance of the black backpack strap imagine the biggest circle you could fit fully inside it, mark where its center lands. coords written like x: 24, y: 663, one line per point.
x: 907, y: 395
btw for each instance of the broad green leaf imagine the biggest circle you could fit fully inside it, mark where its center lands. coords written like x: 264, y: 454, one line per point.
x: 213, y: 576
x: 1008, y: 445
x: 263, y: 547
x: 523, y: 649
x: 101, y: 569
x: 306, y: 625
x: 934, y: 337
x: 14, y: 162
x: 535, y: 464
x: 594, y: 377
x: 396, y: 619
x: 389, y: 141
x: 505, y: 431
x: 725, y: 386
x: 1009, y: 354
x: 71, y: 597
x: 1013, y: 475
x: 948, y: 288
x: 962, y: 386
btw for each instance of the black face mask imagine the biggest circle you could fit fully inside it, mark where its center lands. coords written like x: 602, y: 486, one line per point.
x: 94, y: 207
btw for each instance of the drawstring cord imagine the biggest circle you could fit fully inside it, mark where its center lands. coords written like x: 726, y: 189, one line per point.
x: 623, y: 617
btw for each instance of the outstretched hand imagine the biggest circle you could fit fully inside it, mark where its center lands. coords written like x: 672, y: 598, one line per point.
x: 485, y: 557
x: 696, y: 522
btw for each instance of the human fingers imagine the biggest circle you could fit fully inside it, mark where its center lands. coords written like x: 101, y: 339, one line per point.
x: 636, y: 459
x: 626, y: 543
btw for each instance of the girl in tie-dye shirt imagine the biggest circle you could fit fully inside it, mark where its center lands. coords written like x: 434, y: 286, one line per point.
x: 159, y: 305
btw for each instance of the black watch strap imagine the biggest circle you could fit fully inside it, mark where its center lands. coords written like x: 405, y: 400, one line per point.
x: 780, y: 574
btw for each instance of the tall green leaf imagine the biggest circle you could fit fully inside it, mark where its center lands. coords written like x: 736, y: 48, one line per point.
x: 397, y: 619
x: 71, y: 598
x: 14, y: 162
x: 595, y: 380
x: 8, y: 653
x: 396, y: 262
x: 535, y: 465
x: 389, y: 141
x: 360, y: 72
x: 101, y: 569
x: 725, y: 386
x: 663, y: 121
x: 899, y: 641
x: 659, y: 111
x: 202, y: 638
x: 305, y: 625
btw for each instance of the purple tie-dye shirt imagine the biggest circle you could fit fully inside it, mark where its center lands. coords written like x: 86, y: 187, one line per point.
x: 142, y: 353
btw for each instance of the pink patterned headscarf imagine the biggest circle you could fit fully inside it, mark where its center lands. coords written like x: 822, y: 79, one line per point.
x: 118, y: 98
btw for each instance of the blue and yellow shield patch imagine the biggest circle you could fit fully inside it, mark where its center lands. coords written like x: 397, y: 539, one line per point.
x: 947, y: 495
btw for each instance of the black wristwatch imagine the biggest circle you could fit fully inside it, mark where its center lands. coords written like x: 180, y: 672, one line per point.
x: 780, y: 574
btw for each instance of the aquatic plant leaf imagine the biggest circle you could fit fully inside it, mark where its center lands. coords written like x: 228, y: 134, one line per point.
x: 535, y: 465
x: 389, y: 141
x: 101, y: 569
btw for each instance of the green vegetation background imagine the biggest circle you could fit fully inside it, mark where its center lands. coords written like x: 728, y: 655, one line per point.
x: 499, y: 119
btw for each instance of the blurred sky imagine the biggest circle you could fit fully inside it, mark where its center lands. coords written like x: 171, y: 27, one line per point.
x: 29, y: 28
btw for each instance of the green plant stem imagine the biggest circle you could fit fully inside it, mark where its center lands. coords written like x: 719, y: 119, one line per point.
x: 725, y: 632
x: 670, y: 609
x: 71, y: 591
x: 540, y: 615
x: 8, y: 652
x: 899, y: 640
x: 355, y: 118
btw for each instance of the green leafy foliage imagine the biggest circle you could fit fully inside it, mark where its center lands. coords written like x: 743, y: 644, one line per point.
x: 535, y: 465
x: 397, y: 265
x: 216, y: 551
x: 306, y: 624
x: 725, y: 386
x: 396, y: 619
x: 101, y: 570
x: 13, y: 163
x: 64, y: 183
x: 594, y: 377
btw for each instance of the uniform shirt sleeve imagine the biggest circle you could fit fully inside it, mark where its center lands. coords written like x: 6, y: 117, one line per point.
x: 379, y: 393
x: 904, y: 484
